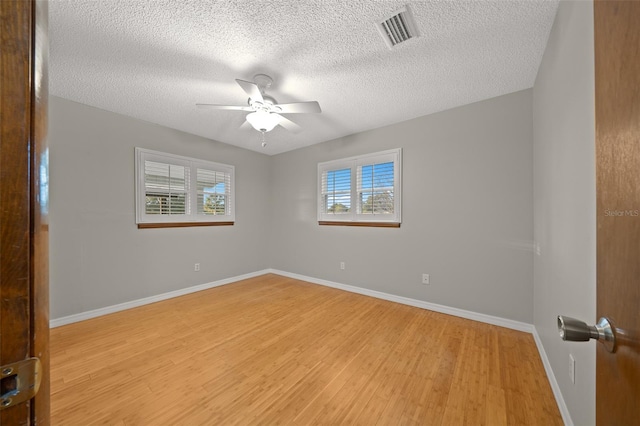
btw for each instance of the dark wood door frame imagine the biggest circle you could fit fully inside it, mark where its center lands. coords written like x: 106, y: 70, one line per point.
x: 24, y: 269
x: 617, y: 72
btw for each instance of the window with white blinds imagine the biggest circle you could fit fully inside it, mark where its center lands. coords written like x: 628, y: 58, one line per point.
x: 366, y: 188
x: 336, y: 191
x: 213, y: 192
x: 172, y: 188
x: 165, y: 188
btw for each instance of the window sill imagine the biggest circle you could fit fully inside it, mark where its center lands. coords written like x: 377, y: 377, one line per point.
x: 181, y: 224
x: 366, y: 224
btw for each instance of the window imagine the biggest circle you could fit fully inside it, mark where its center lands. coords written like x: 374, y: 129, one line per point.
x: 181, y: 191
x: 363, y: 190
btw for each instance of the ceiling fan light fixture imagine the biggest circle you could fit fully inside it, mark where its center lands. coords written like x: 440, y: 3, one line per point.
x: 263, y: 121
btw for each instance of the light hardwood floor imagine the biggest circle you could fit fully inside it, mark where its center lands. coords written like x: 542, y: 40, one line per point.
x: 273, y: 350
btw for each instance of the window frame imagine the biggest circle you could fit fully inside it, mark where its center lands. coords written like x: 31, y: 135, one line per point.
x: 191, y: 216
x: 354, y: 164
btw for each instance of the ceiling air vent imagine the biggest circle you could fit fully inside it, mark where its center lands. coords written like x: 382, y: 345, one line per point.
x: 398, y: 27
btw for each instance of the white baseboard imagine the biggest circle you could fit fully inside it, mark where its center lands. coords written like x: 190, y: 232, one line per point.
x: 562, y: 406
x: 147, y: 300
x: 489, y: 319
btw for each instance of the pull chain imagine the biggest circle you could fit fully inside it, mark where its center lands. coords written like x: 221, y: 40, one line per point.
x: 264, y: 141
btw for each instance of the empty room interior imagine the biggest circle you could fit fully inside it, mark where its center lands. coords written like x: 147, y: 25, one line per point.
x: 321, y: 212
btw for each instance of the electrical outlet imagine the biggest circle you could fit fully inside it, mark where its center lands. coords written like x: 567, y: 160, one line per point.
x: 342, y: 266
x: 572, y: 369
x: 425, y: 279
x: 196, y: 267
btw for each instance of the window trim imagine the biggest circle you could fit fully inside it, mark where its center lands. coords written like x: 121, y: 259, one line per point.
x: 192, y: 218
x: 353, y: 218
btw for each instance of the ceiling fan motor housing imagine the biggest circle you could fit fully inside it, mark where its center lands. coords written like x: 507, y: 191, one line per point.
x: 269, y: 104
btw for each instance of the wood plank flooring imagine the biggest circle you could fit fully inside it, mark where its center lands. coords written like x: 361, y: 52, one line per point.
x: 273, y: 350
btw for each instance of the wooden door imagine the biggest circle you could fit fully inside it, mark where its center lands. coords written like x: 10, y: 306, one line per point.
x: 617, y: 56
x: 24, y: 269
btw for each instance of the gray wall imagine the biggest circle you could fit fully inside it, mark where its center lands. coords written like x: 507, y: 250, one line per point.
x: 98, y: 256
x: 564, y: 200
x: 467, y: 211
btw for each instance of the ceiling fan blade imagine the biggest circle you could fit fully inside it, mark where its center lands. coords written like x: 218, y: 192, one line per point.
x: 251, y: 89
x: 288, y: 124
x: 228, y: 107
x: 299, y: 107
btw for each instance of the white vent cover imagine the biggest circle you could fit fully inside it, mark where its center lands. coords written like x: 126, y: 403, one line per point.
x: 397, y: 27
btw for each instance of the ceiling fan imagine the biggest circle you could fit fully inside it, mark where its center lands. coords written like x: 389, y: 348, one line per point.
x: 264, y: 110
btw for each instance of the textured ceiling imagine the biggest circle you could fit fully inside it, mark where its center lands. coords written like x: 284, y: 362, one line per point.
x: 154, y: 60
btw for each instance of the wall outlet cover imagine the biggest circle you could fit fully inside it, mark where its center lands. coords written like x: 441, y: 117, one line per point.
x: 572, y: 369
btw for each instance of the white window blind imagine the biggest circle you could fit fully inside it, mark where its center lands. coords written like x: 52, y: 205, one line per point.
x: 336, y: 191
x: 173, y: 188
x: 366, y: 188
x: 213, y: 192
x: 376, y: 188
x: 164, y: 188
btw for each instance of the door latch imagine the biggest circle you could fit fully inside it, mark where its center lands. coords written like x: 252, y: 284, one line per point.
x: 20, y: 382
x: 575, y: 330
